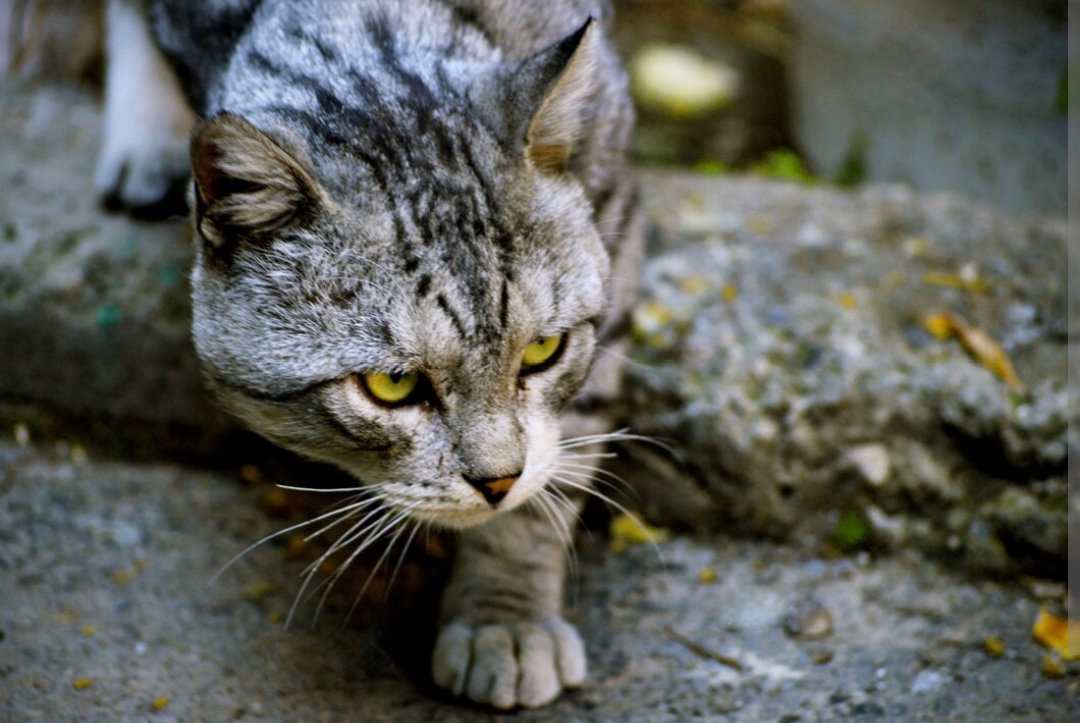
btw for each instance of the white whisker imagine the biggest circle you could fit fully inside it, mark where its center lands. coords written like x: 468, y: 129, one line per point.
x: 401, y: 559
x: 371, y: 530
x: 607, y: 500
x: 323, y: 489
x: 399, y: 523
x: 561, y: 526
x: 332, y: 513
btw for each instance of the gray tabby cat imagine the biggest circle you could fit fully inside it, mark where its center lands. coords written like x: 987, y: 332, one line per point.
x: 415, y: 225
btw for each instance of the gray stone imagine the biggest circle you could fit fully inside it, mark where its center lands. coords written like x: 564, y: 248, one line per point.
x: 780, y: 342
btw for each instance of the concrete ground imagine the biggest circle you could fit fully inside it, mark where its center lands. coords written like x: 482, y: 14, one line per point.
x: 108, y: 612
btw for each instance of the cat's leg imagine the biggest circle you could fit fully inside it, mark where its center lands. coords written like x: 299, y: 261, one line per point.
x: 504, y: 641
x: 143, y: 164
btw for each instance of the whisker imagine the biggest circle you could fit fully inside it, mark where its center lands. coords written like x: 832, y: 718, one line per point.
x: 561, y: 528
x: 621, y: 508
x: 352, y: 513
x: 588, y: 455
x: 332, y: 513
x: 621, y: 435
x: 378, y: 530
x: 592, y: 469
x: 373, y: 530
x: 401, y: 559
x: 623, y: 487
x: 324, y: 489
x: 399, y: 523
x: 626, y: 358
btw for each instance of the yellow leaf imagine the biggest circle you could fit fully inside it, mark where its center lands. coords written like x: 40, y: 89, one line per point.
x: 993, y: 646
x: 1058, y: 633
x: 80, y: 683
x: 707, y: 575
x: 977, y: 343
x: 260, y: 590
x: 627, y: 530
x: 939, y: 325
x: 964, y: 282
x: 160, y: 702
x: 122, y: 577
x: 694, y: 285
x: 1052, y: 667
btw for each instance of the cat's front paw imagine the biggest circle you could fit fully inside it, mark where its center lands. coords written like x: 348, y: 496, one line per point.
x: 520, y: 664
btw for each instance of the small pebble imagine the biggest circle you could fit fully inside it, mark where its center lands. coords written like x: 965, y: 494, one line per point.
x: 927, y: 681
x: 809, y: 619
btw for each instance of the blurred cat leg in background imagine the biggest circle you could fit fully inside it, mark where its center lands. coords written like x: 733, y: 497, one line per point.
x: 143, y: 166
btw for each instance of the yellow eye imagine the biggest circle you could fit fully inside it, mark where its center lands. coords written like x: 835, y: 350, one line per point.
x: 541, y: 352
x: 391, y: 388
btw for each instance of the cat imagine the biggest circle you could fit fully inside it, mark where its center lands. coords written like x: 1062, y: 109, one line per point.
x: 416, y: 241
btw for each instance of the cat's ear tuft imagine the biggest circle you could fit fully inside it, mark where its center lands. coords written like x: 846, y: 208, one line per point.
x: 245, y: 184
x: 538, y: 104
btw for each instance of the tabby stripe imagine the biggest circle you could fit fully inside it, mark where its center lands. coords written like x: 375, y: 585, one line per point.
x: 454, y: 318
x: 504, y: 305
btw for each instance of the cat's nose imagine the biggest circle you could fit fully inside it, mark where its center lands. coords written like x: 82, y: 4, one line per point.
x: 494, y: 489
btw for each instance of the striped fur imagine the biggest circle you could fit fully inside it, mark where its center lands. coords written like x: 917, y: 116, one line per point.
x: 419, y: 186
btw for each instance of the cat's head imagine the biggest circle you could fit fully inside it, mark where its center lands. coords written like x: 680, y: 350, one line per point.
x: 416, y: 302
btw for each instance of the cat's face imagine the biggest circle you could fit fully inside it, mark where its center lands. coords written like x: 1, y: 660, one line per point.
x: 426, y: 347
x: 406, y: 282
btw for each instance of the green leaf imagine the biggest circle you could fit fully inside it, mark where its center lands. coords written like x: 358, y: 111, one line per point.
x: 851, y: 531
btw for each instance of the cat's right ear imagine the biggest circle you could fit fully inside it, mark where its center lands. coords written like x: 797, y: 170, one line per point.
x: 245, y: 184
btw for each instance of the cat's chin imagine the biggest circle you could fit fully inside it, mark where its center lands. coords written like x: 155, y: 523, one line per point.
x: 461, y: 519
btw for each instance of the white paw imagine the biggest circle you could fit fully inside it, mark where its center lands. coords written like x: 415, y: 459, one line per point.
x: 142, y: 166
x: 504, y: 666
x: 144, y: 152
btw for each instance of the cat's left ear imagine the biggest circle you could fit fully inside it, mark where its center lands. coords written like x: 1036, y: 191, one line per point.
x: 539, y: 103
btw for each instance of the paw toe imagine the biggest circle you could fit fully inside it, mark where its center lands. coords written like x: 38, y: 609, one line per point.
x: 525, y: 664
x: 493, y: 677
x: 450, y: 661
x: 539, y: 681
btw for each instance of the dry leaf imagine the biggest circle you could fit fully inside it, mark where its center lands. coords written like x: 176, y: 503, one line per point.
x: 1058, y: 633
x: 977, y: 343
x: 964, y: 282
x: 994, y: 647
x: 627, y: 530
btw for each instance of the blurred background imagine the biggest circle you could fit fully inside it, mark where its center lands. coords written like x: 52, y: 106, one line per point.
x: 960, y: 95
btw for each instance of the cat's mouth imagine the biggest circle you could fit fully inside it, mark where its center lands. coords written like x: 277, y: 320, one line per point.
x: 476, y: 503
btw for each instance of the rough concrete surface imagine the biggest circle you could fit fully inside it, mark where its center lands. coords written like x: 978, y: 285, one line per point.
x: 106, y: 571
x: 106, y: 608
x: 783, y: 344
